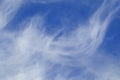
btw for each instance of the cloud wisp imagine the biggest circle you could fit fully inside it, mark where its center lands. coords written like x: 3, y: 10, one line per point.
x: 8, y: 9
x: 32, y: 54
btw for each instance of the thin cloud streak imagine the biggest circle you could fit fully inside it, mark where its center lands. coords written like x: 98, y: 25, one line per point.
x: 8, y: 9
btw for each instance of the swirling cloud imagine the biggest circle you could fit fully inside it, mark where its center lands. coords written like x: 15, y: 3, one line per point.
x: 33, y: 54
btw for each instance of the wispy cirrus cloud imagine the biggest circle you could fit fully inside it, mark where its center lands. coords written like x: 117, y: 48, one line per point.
x: 45, y: 1
x: 8, y: 9
x: 33, y: 54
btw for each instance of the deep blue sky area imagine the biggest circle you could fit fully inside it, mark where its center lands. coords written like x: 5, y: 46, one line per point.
x: 56, y: 14
x: 112, y: 38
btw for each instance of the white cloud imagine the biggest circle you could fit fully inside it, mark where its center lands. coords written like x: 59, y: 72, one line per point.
x: 45, y: 1
x: 8, y: 9
x: 31, y: 54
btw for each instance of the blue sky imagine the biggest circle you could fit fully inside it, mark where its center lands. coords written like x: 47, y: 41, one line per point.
x: 59, y: 39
